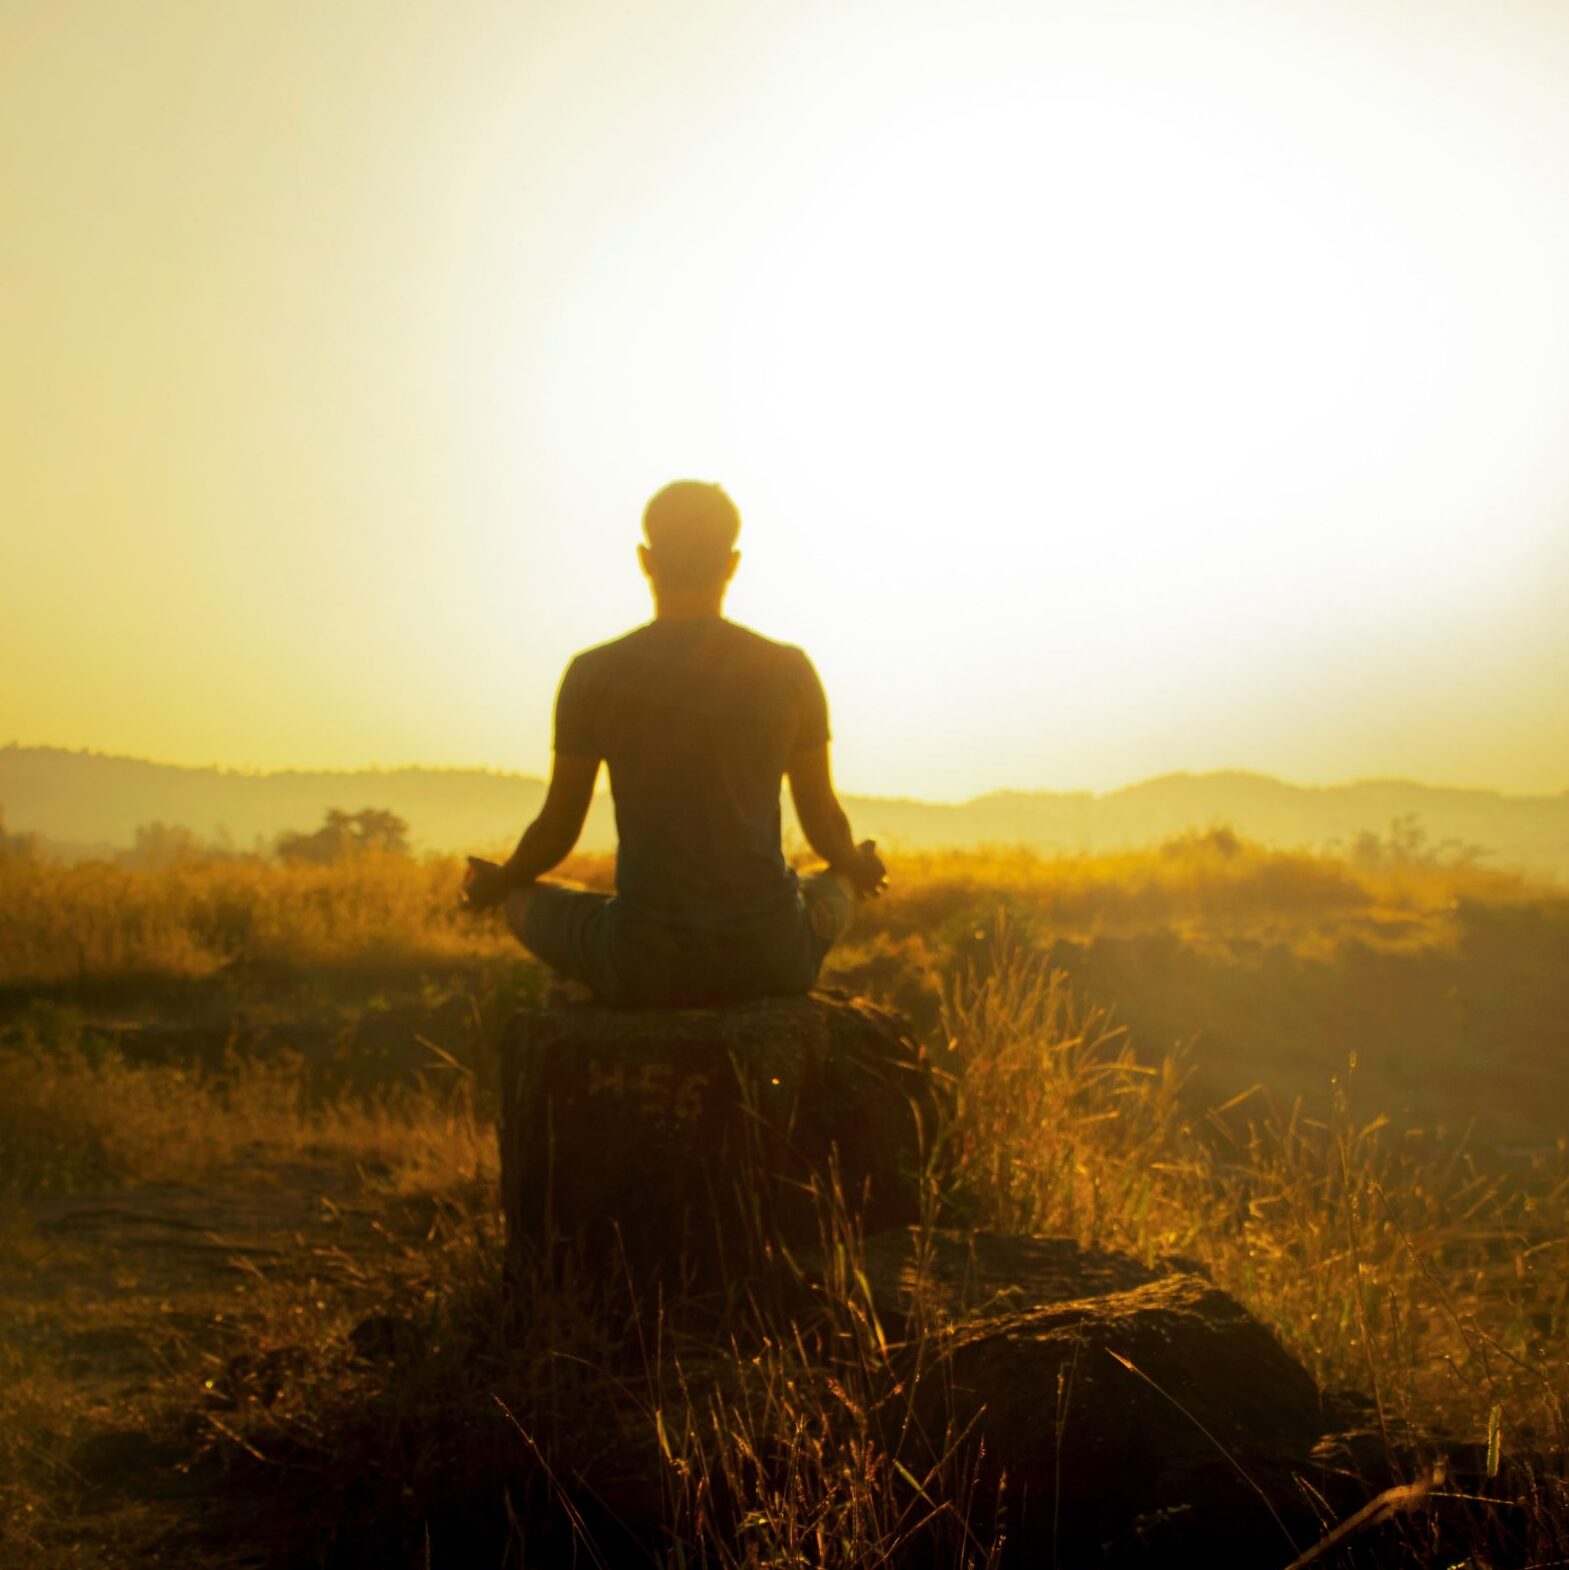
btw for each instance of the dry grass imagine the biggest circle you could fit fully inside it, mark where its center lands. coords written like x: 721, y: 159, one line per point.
x: 1392, y: 1262
x: 96, y: 923
x: 1201, y: 885
x: 76, y: 1114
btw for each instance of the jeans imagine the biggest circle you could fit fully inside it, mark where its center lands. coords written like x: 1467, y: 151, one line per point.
x: 631, y: 961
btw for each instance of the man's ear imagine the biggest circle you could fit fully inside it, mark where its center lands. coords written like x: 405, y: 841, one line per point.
x: 645, y: 562
x: 735, y: 561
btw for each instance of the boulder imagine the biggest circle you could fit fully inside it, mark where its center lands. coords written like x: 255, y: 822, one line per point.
x: 694, y: 1142
x: 1163, y: 1405
x: 1104, y: 1409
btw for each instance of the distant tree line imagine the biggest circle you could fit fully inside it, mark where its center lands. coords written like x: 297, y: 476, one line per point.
x: 341, y: 837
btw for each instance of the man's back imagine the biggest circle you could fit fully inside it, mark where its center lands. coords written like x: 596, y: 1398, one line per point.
x: 697, y: 720
x: 700, y: 721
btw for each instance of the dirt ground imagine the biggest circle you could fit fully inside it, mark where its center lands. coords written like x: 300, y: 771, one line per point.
x: 131, y: 1321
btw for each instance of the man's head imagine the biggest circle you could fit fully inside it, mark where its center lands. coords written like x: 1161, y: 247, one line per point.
x: 691, y: 529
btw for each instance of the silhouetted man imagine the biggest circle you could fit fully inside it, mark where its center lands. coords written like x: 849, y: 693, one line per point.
x: 699, y: 720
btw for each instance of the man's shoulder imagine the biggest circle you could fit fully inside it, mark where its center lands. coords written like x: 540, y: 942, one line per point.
x: 768, y: 648
x: 651, y: 653
x: 647, y: 637
x: 609, y: 652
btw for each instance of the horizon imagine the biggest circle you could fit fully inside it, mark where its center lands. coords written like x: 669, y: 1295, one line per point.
x: 1235, y: 772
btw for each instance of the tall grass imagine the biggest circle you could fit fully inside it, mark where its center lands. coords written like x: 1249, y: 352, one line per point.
x: 76, y: 1114
x: 1395, y: 1269
x: 1390, y: 1262
x: 554, y: 1410
x: 95, y: 923
x: 1395, y: 1264
x: 1199, y: 882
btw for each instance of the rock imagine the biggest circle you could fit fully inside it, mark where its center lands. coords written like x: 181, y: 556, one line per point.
x: 691, y: 1140
x: 1104, y: 1408
x: 1158, y: 1407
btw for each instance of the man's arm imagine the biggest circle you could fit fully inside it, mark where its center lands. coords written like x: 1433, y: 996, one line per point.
x: 548, y: 840
x: 826, y: 826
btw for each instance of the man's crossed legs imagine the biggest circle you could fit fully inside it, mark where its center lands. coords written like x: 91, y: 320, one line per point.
x: 630, y: 961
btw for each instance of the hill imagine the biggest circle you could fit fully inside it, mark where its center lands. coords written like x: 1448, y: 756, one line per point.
x: 89, y: 803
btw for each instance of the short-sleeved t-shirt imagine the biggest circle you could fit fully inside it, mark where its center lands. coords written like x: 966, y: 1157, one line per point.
x: 697, y: 721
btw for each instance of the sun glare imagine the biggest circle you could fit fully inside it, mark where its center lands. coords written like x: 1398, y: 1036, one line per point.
x: 1097, y: 384
x: 1123, y: 369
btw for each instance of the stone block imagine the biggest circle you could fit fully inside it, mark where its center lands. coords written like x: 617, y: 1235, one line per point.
x: 696, y: 1141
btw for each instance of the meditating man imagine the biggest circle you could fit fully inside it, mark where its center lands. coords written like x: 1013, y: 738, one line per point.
x: 699, y: 720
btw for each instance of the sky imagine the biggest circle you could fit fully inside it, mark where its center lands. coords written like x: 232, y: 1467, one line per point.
x: 1107, y: 388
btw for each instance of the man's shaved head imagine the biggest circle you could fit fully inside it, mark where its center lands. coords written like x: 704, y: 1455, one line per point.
x: 691, y: 528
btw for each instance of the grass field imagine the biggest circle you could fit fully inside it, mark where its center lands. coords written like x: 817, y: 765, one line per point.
x: 250, y: 1245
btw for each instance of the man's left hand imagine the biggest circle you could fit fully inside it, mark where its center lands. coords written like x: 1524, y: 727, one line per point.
x: 484, y: 885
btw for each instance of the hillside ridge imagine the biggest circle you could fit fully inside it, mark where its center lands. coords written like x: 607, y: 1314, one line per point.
x: 84, y: 802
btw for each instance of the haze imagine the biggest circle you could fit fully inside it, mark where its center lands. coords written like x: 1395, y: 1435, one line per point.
x: 1107, y: 390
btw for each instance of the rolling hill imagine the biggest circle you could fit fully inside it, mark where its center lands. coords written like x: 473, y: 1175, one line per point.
x: 84, y: 803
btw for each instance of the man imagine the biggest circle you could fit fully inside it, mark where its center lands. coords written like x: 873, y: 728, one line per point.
x: 699, y: 721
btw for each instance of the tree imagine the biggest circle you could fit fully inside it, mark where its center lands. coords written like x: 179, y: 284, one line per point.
x: 345, y: 835
x: 1408, y: 844
x: 159, y: 846
x: 17, y: 847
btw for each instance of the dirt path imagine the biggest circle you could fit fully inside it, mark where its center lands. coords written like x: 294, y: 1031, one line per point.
x: 118, y: 1309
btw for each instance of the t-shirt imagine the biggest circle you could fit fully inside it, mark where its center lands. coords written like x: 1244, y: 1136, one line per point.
x: 697, y: 721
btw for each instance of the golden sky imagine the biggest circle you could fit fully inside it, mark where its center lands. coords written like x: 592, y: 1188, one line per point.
x: 1108, y: 388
